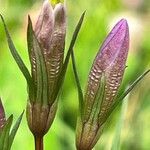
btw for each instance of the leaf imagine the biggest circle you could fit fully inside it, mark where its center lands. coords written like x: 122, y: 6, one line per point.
x: 119, y: 126
x: 4, y: 139
x: 64, y: 68
x: 80, y: 93
x: 14, y: 131
x: 41, y: 74
x: 120, y: 98
x: 17, y: 57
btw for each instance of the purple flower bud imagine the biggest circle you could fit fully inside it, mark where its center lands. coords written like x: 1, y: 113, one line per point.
x: 109, y: 61
x: 50, y: 31
x: 104, y: 80
x: 2, y: 115
x: 46, y: 57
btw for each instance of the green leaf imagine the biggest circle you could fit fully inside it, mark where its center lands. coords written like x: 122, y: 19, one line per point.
x: 120, y: 98
x: 17, y: 57
x: 119, y: 126
x: 64, y: 68
x: 14, y: 131
x: 4, y: 139
x: 80, y: 93
x: 41, y: 74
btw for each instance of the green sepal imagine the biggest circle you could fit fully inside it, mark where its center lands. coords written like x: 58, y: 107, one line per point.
x: 14, y: 131
x: 96, y: 108
x: 42, y: 79
x: 64, y: 67
x: 4, y: 138
x: 125, y: 93
x: 17, y: 57
x: 80, y: 93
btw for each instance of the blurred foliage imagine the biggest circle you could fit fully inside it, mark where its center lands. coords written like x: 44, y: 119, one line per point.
x: 100, y: 15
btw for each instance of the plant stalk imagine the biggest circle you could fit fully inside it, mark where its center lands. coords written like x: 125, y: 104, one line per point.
x: 38, y: 143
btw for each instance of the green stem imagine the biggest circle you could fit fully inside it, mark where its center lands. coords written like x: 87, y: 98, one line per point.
x: 38, y: 143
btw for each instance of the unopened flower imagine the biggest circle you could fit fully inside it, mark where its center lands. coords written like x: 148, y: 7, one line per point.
x: 46, y: 50
x: 46, y: 43
x: 101, y: 95
x: 7, y: 134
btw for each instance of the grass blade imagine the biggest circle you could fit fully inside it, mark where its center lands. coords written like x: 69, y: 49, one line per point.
x: 119, y: 126
x: 16, y: 56
x: 80, y: 93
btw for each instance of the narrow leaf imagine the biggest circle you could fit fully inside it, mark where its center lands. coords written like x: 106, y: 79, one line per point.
x: 119, y: 126
x: 16, y: 56
x: 64, y: 68
x: 80, y: 93
x: 14, y: 130
x: 134, y: 84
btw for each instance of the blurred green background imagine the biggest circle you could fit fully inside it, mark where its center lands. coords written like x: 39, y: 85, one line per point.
x: 100, y: 17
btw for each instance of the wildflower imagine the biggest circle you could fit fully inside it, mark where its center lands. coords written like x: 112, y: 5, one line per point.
x: 7, y: 136
x: 46, y: 53
x: 101, y: 95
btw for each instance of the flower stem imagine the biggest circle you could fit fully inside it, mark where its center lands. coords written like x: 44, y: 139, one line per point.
x: 38, y: 143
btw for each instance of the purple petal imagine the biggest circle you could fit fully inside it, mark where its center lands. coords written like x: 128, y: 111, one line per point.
x: 56, y: 55
x: 44, y: 25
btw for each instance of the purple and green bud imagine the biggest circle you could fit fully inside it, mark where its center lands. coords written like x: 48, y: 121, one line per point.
x: 46, y: 51
x: 104, y: 81
x: 7, y: 134
x: 46, y: 43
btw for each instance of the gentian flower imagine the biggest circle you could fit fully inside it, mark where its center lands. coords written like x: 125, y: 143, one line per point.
x: 46, y: 43
x: 46, y: 51
x: 7, y: 134
x: 105, y: 78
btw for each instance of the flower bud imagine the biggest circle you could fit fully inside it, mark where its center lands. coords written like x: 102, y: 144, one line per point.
x: 2, y: 115
x: 104, y: 80
x: 46, y: 55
